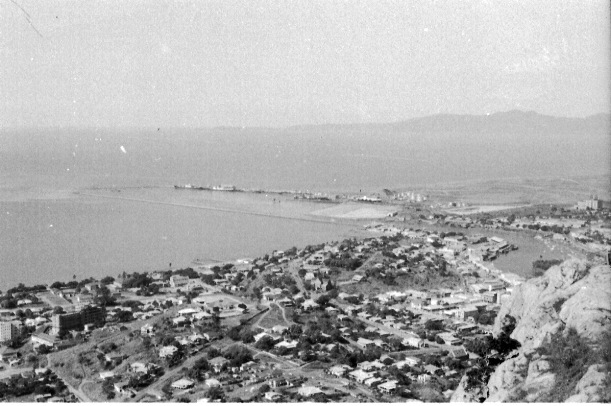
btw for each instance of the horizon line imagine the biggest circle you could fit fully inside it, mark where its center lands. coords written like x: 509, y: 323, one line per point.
x: 292, y: 126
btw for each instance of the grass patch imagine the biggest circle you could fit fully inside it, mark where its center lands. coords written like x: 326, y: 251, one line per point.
x: 570, y: 355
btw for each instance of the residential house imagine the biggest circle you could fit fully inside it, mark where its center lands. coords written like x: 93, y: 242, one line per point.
x: 412, y: 361
x: 459, y: 353
x: 183, y: 383
x: 358, y: 278
x: 338, y: 370
x: 122, y: 387
x: 466, y: 312
x: 211, y: 382
x: 286, y: 302
x: 307, y: 391
x: 365, y: 343
x: 372, y: 382
x: 449, y: 339
x: 413, y: 341
x: 180, y: 321
x: 167, y: 351
x: 360, y: 376
x: 272, y: 396
x: 218, y: 363
x: 7, y: 353
x: 309, y: 304
x: 388, y: 387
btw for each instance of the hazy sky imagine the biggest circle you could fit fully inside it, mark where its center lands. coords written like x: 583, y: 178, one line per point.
x: 258, y: 63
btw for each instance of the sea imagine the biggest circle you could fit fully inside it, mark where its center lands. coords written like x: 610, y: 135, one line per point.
x: 91, y: 203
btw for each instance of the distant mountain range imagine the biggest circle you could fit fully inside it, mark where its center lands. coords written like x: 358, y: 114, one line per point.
x: 514, y: 120
x: 346, y: 157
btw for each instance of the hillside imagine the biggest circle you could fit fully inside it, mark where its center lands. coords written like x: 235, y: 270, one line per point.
x: 563, y: 323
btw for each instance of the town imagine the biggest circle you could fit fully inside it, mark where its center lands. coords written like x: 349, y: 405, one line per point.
x: 402, y: 314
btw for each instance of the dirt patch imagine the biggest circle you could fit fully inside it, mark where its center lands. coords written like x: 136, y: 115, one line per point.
x: 273, y: 318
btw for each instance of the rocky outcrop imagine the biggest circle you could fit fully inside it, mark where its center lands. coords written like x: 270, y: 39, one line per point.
x: 568, y: 295
x: 589, y: 387
x: 463, y: 395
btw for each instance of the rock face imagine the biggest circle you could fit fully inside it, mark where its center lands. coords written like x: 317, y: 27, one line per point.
x: 568, y: 295
x: 589, y: 385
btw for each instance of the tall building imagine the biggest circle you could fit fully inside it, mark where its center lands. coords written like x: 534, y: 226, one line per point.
x: 62, y: 323
x: 8, y: 331
x: 178, y: 280
x: 592, y: 204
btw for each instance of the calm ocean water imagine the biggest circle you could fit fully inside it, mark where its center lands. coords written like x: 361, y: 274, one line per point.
x: 47, y: 240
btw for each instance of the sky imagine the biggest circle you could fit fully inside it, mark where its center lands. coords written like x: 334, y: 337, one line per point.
x: 278, y: 63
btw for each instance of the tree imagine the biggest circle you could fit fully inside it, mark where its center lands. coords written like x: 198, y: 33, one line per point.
x: 433, y: 325
x: 167, y: 388
x: 56, y: 285
x: 294, y: 331
x: 58, y: 310
x: 43, y: 349
x: 265, y: 343
x: 103, y: 297
x: 215, y: 393
x: 479, y: 346
x: 247, y: 336
x: 323, y: 300
x: 234, y: 333
x: 107, y: 280
x: 301, y: 272
x: 213, y: 352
